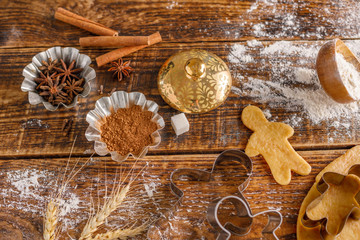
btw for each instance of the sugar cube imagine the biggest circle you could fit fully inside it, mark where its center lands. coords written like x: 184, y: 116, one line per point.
x: 180, y: 123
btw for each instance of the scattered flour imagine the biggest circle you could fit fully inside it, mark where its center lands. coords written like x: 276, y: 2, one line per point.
x: 172, y: 4
x: 349, y: 75
x: 267, y: 113
x: 276, y: 19
x: 150, y: 189
x: 25, y: 182
x: 288, y: 20
x: 286, y: 78
x: 254, y: 43
x: 29, y: 185
x: 238, y: 55
x: 258, y: 29
x: 305, y: 76
x: 34, y: 123
x: 69, y: 204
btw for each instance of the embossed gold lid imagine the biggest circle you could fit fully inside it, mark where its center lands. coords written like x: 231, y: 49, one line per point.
x: 194, y: 81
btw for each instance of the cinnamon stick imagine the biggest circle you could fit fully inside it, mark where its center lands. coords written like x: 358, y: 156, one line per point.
x: 74, y: 15
x: 121, y: 52
x: 83, y: 23
x: 114, y: 41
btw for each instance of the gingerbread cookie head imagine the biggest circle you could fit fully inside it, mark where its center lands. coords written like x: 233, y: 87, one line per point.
x: 253, y: 117
x: 270, y: 140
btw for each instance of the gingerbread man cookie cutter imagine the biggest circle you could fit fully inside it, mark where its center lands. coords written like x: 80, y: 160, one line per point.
x: 322, y: 187
x: 240, y: 203
x: 243, y: 210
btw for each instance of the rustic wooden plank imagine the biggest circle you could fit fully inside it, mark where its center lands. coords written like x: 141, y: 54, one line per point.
x: 27, y: 185
x: 31, y: 24
x: 29, y: 130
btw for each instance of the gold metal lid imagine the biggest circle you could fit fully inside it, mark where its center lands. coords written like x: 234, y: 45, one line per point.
x: 194, y: 81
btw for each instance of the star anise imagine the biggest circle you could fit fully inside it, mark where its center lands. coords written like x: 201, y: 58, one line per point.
x: 73, y: 87
x: 49, y: 66
x: 44, y: 80
x: 68, y: 72
x: 59, y: 82
x: 53, y: 93
x: 121, y: 69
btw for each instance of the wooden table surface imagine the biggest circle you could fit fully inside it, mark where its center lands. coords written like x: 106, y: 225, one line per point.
x: 34, y: 152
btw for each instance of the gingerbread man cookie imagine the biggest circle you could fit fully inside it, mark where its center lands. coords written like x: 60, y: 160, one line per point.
x: 342, y: 165
x: 270, y: 140
x: 337, y: 203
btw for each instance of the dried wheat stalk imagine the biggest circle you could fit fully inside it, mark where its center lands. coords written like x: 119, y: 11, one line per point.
x: 50, y: 220
x: 122, y: 234
x: 110, y: 205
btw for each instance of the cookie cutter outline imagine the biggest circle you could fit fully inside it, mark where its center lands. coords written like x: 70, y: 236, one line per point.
x: 322, y: 186
x: 232, y: 155
x: 242, y: 208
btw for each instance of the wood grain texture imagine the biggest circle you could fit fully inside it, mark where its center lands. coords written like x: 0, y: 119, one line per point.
x: 40, y: 175
x: 33, y: 149
x: 31, y: 23
x: 32, y: 130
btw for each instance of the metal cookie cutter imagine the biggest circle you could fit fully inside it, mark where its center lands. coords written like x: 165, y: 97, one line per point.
x: 243, y: 210
x: 275, y: 217
x: 202, y: 175
x: 322, y: 187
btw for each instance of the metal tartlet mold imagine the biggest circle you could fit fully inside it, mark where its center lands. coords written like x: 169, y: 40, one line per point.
x: 68, y: 54
x: 107, y: 105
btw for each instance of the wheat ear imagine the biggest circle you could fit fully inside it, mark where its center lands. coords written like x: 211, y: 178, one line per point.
x: 52, y: 209
x: 110, y: 205
x: 122, y: 233
x: 50, y: 221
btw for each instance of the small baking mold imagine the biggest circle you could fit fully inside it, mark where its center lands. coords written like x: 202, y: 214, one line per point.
x: 107, y: 105
x: 68, y: 54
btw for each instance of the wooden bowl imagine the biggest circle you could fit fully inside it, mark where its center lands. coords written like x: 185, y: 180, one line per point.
x: 328, y: 72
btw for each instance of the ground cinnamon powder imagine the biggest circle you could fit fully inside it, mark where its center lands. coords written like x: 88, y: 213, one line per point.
x: 128, y: 130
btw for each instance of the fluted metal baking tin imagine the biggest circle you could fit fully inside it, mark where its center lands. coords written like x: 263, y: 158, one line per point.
x: 31, y: 71
x: 105, y: 106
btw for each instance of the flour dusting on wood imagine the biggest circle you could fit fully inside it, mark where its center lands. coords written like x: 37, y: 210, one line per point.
x: 287, y: 79
x: 34, y: 123
x: 289, y: 20
x: 28, y: 191
x: 29, y: 185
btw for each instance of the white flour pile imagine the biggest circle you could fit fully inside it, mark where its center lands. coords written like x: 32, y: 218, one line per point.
x: 283, y: 76
x: 349, y: 75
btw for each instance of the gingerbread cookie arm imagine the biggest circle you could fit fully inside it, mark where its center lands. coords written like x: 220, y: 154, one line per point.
x: 297, y: 163
x: 251, y: 149
x: 283, y: 161
x: 281, y: 129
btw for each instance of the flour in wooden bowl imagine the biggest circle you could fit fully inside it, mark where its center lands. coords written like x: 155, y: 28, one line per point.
x: 349, y: 75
